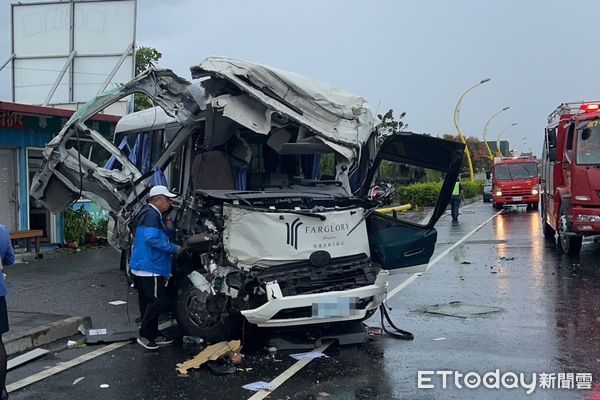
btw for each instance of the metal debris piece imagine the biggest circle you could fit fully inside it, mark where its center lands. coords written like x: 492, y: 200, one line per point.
x: 210, y: 353
x: 507, y: 258
x: 461, y: 310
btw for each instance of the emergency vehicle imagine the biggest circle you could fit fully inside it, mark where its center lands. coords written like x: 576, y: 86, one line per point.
x: 571, y: 175
x: 515, y: 180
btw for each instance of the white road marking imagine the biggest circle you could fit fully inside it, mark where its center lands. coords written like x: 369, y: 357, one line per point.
x: 63, y: 366
x: 287, y: 374
x: 410, y: 279
x: 72, y: 363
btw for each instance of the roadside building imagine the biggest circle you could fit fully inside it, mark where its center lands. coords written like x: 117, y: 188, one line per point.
x: 24, y: 131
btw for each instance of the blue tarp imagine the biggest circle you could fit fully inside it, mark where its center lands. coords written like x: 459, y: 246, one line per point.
x: 112, y: 162
x: 158, y: 178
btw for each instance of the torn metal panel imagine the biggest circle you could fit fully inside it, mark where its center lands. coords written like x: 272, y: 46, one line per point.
x: 329, y: 111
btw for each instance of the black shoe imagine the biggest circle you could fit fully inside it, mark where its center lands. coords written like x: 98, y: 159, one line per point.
x: 161, y: 340
x: 147, y: 343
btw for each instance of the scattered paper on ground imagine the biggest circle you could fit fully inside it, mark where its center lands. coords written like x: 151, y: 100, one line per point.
x: 117, y: 302
x: 257, y: 386
x: 324, y: 394
x: 440, y: 338
x: 104, y: 386
x: 460, y: 309
x: 310, y: 355
x: 210, y: 353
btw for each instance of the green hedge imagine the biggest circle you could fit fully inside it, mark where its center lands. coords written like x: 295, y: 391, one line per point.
x: 426, y: 194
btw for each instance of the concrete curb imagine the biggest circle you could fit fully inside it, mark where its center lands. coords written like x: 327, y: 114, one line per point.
x: 44, y: 334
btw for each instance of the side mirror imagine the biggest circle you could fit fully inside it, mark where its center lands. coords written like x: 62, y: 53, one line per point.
x: 552, y: 154
x: 551, y: 135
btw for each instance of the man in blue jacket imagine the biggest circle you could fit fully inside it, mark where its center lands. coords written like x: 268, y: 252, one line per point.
x: 151, y: 263
x: 7, y: 256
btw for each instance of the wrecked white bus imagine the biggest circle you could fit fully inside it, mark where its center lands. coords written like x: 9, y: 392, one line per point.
x: 273, y: 233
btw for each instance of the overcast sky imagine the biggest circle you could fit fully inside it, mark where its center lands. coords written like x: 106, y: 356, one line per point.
x: 415, y: 56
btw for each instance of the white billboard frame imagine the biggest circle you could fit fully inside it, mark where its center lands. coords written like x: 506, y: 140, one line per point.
x: 91, y: 30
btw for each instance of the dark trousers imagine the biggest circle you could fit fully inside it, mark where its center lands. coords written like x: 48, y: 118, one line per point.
x: 152, y: 297
x: 455, y: 205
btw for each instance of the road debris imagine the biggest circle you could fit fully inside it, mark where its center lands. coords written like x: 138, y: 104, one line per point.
x: 192, y: 340
x: 222, y: 366
x: 311, y: 355
x: 258, y: 386
x: 507, y: 258
x: 76, y: 381
x: 374, y: 331
x: 117, y: 302
x: 210, y: 353
x: 104, y: 386
x: 71, y: 344
x: 440, y: 338
x: 324, y: 394
x: 466, y: 263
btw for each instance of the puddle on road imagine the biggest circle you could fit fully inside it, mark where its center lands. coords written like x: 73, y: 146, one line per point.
x: 461, y: 310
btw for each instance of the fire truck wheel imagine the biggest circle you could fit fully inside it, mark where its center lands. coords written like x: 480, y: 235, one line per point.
x: 547, y: 229
x: 569, y: 244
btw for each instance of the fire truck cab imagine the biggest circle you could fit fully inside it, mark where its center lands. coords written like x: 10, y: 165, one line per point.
x: 571, y: 175
x: 515, y: 180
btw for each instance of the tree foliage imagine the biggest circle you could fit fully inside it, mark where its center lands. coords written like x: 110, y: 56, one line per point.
x: 389, y: 125
x: 145, y: 57
x: 479, y: 154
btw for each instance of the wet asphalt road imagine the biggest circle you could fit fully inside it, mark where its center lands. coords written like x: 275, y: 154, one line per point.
x: 549, y: 323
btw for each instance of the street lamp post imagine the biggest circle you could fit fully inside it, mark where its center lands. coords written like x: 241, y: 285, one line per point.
x: 485, y: 129
x: 460, y: 134
x: 498, y: 152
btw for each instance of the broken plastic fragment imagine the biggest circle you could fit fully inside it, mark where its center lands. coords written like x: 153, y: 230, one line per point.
x: 104, y: 386
x: 76, y: 381
x: 309, y: 355
x: 258, y: 386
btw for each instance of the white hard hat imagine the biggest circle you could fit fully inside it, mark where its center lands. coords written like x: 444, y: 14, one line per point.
x: 160, y: 190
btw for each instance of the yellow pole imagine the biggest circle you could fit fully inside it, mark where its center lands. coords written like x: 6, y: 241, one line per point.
x: 485, y: 129
x: 498, y: 152
x: 460, y: 134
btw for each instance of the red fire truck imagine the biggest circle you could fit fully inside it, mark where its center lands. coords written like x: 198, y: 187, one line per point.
x: 515, y: 180
x: 571, y: 175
